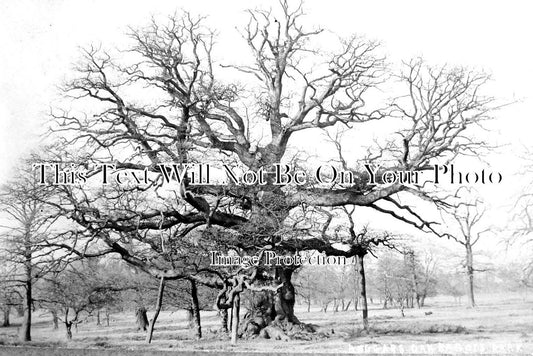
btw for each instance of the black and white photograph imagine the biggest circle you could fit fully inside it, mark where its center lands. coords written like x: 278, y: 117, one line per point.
x: 276, y: 177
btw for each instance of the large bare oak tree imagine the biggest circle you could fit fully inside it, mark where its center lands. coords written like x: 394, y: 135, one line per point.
x: 165, y: 99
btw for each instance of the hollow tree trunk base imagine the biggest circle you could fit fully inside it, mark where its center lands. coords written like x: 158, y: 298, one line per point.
x: 271, y: 315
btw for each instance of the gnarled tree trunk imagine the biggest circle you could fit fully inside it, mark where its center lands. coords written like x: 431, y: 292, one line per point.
x: 235, y: 311
x: 285, y: 297
x: 271, y: 314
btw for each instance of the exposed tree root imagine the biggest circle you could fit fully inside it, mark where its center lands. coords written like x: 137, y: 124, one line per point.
x: 258, y: 324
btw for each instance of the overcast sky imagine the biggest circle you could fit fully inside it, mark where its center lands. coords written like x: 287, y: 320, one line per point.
x: 40, y: 39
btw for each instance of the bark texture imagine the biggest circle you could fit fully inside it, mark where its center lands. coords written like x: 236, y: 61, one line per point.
x: 271, y: 314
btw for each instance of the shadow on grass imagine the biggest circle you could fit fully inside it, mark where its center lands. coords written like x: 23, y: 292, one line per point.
x: 15, y: 342
x: 410, y: 330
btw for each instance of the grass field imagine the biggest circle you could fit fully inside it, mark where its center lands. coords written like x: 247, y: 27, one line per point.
x: 502, y: 324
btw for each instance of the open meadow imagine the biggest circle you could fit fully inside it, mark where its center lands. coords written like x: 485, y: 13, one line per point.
x: 502, y: 324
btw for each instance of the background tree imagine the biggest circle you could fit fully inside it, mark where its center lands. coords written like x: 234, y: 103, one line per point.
x: 521, y: 224
x: 142, y: 293
x: 364, y: 243
x: 394, y: 281
x: 26, y: 227
x: 450, y: 284
x: 10, y: 296
x: 421, y: 268
x: 77, y: 291
x: 307, y: 284
x: 427, y: 280
x: 468, y: 217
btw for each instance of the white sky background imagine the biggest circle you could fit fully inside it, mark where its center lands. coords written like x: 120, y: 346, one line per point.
x: 40, y: 40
